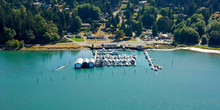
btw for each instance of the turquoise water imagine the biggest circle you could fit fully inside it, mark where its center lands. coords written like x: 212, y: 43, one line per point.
x: 27, y: 82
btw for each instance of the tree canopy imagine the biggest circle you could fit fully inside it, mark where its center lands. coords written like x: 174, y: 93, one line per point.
x: 87, y: 10
x: 186, y: 35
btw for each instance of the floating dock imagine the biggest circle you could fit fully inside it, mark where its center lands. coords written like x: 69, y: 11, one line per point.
x: 106, y: 58
x: 153, y: 67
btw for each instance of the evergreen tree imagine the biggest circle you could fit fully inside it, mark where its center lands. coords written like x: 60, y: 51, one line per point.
x: 154, y: 29
x: 139, y: 28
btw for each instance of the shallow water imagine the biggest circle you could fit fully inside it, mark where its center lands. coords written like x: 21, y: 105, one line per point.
x: 27, y: 81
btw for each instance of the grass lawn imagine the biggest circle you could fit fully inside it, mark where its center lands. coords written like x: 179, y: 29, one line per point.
x: 77, y: 39
x: 133, y: 39
x: 61, y: 41
x: 126, y: 38
x: 96, y: 39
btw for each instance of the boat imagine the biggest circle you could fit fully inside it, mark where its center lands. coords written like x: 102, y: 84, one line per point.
x: 108, y: 64
x: 134, y: 56
x: 127, y: 64
x: 132, y: 61
x: 152, y: 68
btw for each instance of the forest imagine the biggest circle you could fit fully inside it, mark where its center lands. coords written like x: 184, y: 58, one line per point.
x: 44, y: 21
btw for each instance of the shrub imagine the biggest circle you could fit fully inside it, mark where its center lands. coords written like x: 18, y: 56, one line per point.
x: 12, y: 44
x: 21, y: 44
x: 204, y: 40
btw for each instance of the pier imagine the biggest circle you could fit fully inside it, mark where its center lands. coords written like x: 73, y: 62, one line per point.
x: 153, y: 67
x: 95, y: 53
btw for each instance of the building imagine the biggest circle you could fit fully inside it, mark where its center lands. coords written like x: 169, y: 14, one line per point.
x: 142, y: 2
x: 110, y: 45
x: 78, y: 36
x: 69, y: 36
x: 91, y: 63
x: 69, y: 33
x: 86, y: 25
x: 37, y: 3
x: 90, y: 37
x: 67, y: 8
x: 111, y: 36
x: 101, y: 35
x: 87, y: 33
x: 125, y: 2
x: 164, y: 36
x: 182, y: 16
x: 78, y: 63
x: 85, y: 63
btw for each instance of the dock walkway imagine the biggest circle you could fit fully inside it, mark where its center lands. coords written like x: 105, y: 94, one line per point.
x: 147, y: 56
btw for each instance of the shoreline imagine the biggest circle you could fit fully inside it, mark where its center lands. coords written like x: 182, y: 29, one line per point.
x: 195, y: 49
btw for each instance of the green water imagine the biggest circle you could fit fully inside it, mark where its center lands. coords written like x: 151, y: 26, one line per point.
x: 27, y: 82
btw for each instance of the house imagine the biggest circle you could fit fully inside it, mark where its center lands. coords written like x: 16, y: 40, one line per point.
x: 125, y: 2
x: 142, y: 2
x: 69, y: 33
x: 90, y: 37
x: 111, y: 36
x: 107, y: 29
x: 69, y: 36
x: 87, y: 33
x: 67, y: 8
x: 101, y: 35
x: 37, y: 3
x: 164, y: 36
x: 182, y: 16
x: 215, y: 16
x: 86, y: 25
x: 78, y: 36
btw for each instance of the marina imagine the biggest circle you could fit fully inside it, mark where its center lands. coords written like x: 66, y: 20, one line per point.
x: 105, y: 57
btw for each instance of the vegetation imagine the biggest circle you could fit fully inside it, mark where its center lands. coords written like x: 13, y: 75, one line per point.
x: 204, y: 39
x: 187, y: 35
x: 86, y: 11
x: 12, y: 44
x: 78, y: 39
x: 46, y: 21
x: 119, y: 34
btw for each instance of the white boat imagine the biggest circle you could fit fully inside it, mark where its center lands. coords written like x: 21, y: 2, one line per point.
x: 108, y: 64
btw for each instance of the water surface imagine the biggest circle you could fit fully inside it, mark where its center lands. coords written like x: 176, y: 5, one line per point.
x: 28, y: 82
